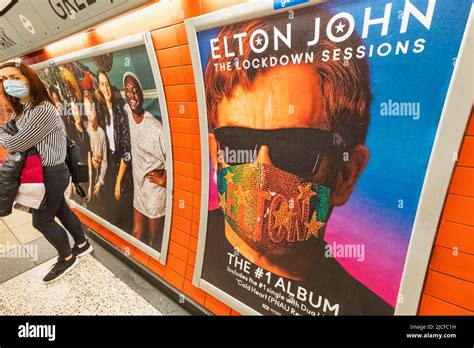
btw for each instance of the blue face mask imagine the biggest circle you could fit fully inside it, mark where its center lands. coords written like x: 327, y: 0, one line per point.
x: 16, y: 88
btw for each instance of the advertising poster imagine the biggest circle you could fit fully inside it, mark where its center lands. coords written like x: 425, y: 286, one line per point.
x: 112, y: 110
x: 320, y: 125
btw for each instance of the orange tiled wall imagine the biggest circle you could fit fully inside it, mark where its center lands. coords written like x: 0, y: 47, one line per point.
x: 449, y: 285
x: 449, y: 278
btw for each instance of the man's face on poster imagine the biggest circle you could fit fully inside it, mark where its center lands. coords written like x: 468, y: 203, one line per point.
x: 134, y: 95
x: 272, y: 102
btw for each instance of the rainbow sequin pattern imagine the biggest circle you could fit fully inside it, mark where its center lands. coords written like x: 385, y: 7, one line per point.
x: 268, y: 207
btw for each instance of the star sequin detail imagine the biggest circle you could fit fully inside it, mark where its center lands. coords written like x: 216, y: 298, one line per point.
x: 229, y: 177
x: 305, y: 192
x: 313, y: 227
x: 283, y: 216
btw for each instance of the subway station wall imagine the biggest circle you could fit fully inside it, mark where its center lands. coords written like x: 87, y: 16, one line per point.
x: 450, y: 277
x: 449, y: 285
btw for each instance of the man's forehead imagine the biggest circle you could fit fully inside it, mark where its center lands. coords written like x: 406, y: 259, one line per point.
x: 130, y: 80
x: 282, y: 97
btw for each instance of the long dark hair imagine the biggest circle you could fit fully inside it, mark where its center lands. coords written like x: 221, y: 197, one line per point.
x: 38, y: 92
x: 102, y: 106
x: 53, y: 90
x: 117, y: 102
x: 93, y: 100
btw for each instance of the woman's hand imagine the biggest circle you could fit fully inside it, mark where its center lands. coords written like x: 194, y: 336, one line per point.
x: 96, y: 161
x: 89, y: 193
x: 118, y: 194
x: 97, y: 188
x: 72, y: 191
x: 157, y: 177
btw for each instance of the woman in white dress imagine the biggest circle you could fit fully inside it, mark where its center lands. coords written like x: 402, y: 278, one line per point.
x: 148, y: 163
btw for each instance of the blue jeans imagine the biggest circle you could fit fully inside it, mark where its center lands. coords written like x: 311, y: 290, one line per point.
x: 56, y: 181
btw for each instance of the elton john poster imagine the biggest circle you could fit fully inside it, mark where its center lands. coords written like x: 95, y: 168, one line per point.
x: 319, y: 125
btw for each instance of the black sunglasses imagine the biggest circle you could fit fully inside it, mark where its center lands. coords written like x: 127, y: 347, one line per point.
x: 294, y: 150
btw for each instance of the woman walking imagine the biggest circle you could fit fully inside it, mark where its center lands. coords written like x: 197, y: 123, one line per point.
x: 40, y: 125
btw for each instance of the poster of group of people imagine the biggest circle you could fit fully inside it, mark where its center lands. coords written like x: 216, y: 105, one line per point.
x: 320, y: 125
x: 111, y: 110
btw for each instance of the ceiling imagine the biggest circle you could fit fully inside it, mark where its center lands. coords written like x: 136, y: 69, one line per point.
x: 28, y: 25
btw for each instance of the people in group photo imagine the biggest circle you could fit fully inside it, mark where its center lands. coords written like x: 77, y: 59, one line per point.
x: 122, y: 142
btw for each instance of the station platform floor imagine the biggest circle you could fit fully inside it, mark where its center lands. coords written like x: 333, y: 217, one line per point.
x: 100, y: 285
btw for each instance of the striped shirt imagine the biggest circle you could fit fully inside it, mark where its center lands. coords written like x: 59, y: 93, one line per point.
x: 40, y: 126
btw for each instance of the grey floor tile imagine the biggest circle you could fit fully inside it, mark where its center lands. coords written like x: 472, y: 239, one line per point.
x: 7, y: 240
x: 12, y: 266
x: 3, y: 226
x: 40, y: 250
x: 26, y: 233
x: 17, y: 218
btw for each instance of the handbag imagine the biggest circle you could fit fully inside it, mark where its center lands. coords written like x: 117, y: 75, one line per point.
x: 32, y: 191
x: 10, y: 174
x: 79, y: 171
x: 29, y: 190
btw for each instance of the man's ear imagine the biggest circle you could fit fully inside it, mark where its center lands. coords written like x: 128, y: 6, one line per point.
x: 213, y: 148
x: 349, y: 173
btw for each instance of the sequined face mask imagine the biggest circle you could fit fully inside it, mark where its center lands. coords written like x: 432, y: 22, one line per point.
x: 275, y: 212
